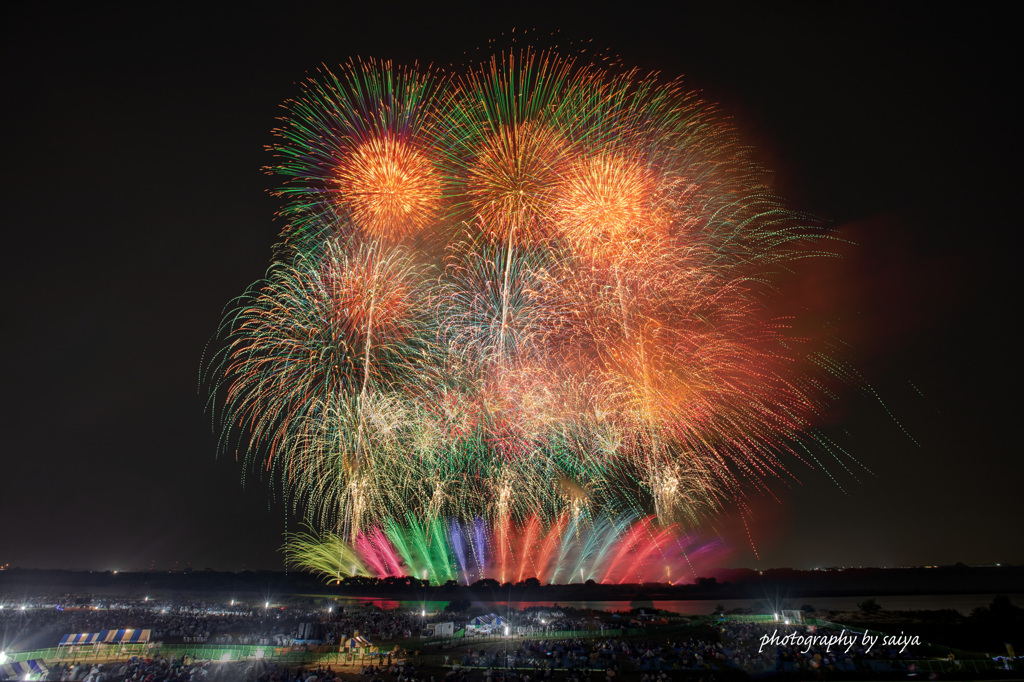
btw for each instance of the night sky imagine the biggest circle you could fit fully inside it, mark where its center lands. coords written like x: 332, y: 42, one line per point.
x: 136, y: 209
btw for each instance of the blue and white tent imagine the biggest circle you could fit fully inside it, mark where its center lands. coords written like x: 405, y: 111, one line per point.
x: 128, y: 636
x: 83, y: 638
x: 354, y: 643
x: 21, y: 670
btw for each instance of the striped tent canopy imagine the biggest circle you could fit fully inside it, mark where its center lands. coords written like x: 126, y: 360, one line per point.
x: 84, y: 638
x: 129, y: 636
x: 20, y: 669
x: 355, y: 642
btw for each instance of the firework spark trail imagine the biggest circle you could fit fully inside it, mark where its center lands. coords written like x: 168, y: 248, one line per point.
x: 621, y: 549
x: 530, y: 536
x: 302, y: 359
x: 520, y: 307
x: 507, y: 151
x: 459, y: 547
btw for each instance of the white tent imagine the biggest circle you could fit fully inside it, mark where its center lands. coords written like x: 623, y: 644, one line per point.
x: 485, y: 625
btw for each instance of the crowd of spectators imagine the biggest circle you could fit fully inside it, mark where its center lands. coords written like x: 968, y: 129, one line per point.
x: 739, y: 646
x: 42, y: 623
x: 733, y: 646
x: 161, y: 669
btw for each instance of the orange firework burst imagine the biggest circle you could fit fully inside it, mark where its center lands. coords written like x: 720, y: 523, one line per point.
x: 609, y: 205
x: 391, y: 188
x: 510, y: 182
x: 369, y: 161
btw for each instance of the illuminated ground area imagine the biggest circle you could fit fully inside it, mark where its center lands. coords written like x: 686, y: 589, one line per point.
x: 264, y: 641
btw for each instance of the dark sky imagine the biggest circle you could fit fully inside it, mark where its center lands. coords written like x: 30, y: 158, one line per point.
x: 135, y: 209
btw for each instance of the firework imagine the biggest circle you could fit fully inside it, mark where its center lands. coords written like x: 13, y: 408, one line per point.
x: 521, y: 312
x: 619, y: 549
x: 390, y: 187
x: 356, y: 151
